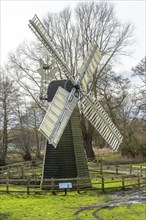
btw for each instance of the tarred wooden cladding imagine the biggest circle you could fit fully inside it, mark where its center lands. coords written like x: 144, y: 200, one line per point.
x: 68, y: 160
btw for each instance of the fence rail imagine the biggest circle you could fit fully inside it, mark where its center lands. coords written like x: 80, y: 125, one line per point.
x: 23, y: 170
x: 120, y: 169
x: 17, y: 165
x: 25, y: 177
x: 32, y: 185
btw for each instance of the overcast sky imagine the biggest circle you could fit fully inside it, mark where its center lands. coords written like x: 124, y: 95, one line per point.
x: 15, y: 16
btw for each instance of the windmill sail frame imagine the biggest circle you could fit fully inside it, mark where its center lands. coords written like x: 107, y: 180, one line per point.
x: 100, y: 119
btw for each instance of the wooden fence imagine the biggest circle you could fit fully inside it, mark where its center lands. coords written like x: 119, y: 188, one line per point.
x: 32, y: 185
x: 21, y: 170
x: 27, y: 169
x: 25, y: 177
x: 120, y: 169
x: 28, y: 164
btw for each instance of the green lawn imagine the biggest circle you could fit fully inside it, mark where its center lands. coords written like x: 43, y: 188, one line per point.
x: 44, y: 207
x: 60, y: 207
x: 124, y: 212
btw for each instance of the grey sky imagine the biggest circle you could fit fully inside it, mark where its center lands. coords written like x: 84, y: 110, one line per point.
x: 16, y: 14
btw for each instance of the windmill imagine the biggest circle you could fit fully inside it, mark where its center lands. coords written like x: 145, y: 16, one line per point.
x: 64, y: 156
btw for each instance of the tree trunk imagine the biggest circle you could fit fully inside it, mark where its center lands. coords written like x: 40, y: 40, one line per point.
x: 88, y: 146
x: 38, y: 152
x: 87, y: 132
x: 4, y: 150
x: 27, y: 155
x: 3, y: 155
x: 5, y: 136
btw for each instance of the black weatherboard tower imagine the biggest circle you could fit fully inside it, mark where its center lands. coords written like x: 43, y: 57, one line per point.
x: 64, y: 155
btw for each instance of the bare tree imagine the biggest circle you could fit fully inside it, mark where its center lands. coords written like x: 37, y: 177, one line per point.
x: 27, y: 139
x: 133, y: 123
x: 7, y: 105
x: 72, y: 35
x: 35, y: 117
x: 21, y: 129
x: 139, y: 71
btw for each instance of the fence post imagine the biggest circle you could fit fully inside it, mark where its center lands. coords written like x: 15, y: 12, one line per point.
x: 17, y: 170
x: 101, y: 168
x: 35, y: 179
x: 28, y: 181
x: 32, y: 170
x: 130, y: 169
x: 7, y: 185
x: 116, y: 169
x: 102, y: 185
x: 123, y: 183
x: 138, y: 180
x: 52, y: 186
x: 78, y: 186
x: 22, y: 173
x: 65, y: 191
x: 8, y: 172
x: 141, y: 170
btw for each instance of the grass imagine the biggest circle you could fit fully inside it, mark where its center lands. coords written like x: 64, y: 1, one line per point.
x: 38, y: 207
x: 124, y: 212
x: 60, y: 207
x: 139, y: 164
x: 45, y: 207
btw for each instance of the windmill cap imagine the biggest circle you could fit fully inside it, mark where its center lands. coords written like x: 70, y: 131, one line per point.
x: 53, y: 86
